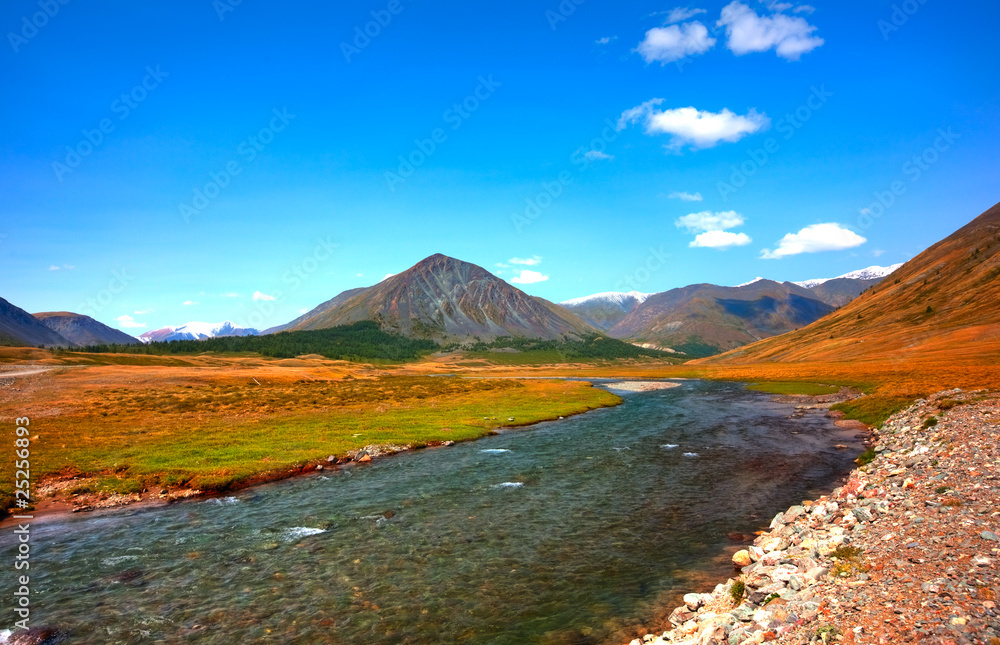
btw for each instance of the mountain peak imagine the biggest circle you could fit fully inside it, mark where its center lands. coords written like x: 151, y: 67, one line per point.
x: 869, y: 273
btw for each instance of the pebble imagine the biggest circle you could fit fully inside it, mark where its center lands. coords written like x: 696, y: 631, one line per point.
x: 884, y: 558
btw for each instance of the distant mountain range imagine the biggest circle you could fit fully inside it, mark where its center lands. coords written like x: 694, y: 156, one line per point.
x: 196, y: 331
x: 83, y: 330
x: 54, y: 329
x: 448, y: 300
x: 605, y: 310
x: 942, y: 304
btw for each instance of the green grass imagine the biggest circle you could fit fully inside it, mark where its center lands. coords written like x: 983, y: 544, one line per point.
x: 791, y: 387
x: 875, y: 409
x: 173, y: 447
x: 866, y: 457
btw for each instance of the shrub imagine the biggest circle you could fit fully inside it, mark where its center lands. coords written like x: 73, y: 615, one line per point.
x: 866, y: 457
x: 737, y: 591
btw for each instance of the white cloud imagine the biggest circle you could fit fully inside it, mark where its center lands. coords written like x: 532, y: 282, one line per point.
x: 878, y: 252
x: 128, y: 322
x: 720, y: 240
x: 231, y: 294
x: 690, y: 126
x: 257, y: 295
x: 304, y: 310
x: 387, y: 276
x: 189, y: 303
x: 502, y: 265
x: 687, y: 197
x: 708, y: 221
x: 360, y: 275
x: 815, y: 239
x: 142, y: 312
x: 528, y: 276
x: 804, y: 9
x: 594, y: 155
x: 605, y: 40
x: 667, y: 44
x: 680, y: 14
x: 747, y: 32
x: 53, y: 268
x: 532, y: 261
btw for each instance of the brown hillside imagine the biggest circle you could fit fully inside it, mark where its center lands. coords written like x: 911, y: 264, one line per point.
x: 942, y: 304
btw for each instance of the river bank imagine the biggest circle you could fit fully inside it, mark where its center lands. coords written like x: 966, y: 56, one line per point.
x: 906, y: 551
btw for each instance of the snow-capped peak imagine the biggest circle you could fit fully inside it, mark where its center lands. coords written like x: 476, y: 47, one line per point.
x: 611, y: 297
x: 197, y: 331
x: 871, y: 273
x: 747, y: 284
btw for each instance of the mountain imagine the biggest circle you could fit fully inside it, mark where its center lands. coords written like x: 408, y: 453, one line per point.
x: 871, y: 273
x: 83, y: 330
x: 332, y: 303
x: 605, y: 310
x: 21, y: 329
x: 196, y: 331
x: 705, y: 319
x: 941, y: 304
x: 441, y: 297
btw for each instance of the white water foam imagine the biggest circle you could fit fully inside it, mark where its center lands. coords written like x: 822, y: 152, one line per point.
x: 690, y: 454
x: 222, y: 501
x: 669, y: 446
x: 297, y: 532
x: 495, y: 450
x: 508, y: 485
x: 110, y: 562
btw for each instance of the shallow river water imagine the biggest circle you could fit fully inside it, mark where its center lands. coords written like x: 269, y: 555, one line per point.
x: 571, y: 531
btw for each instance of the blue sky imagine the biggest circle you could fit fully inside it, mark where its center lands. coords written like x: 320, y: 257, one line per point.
x: 198, y: 160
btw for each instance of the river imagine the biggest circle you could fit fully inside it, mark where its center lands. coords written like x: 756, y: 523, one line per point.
x: 568, y: 532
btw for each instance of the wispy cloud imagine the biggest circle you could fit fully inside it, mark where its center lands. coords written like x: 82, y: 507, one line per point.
x: 606, y: 40
x: 815, y: 239
x: 693, y: 127
x: 711, y: 229
x: 56, y: 267
x: 257, y: 295
x: 142, y: 312
x: 189, y: 303
x: 680, y: 14
x: 231, y: 294
x: 709, y: 221
x: 532, y: 261
x: 128, y: 322
x: 748, y: 32
x: 528, y: 276
x: 686, y: 197
x: 597, y: 155
x: 669, y: 44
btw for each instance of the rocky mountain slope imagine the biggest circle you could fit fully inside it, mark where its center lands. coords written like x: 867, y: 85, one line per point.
x: 940, y: 304
x: 19, y: 328
x: 83, y: 330
x: 444, y: 298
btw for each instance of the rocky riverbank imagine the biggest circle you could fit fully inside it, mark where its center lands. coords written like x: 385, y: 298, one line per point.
x: 907, y: 551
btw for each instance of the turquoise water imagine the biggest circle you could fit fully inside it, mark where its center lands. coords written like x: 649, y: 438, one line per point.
x: 573, y: 531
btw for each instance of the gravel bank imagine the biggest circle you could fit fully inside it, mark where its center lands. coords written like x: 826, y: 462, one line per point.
x: 906, y: 552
